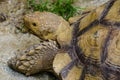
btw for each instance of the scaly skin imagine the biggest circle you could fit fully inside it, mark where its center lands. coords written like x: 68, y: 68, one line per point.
x: 35, y: 59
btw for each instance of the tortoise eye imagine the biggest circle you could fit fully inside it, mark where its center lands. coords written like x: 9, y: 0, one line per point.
x: 34, y: 24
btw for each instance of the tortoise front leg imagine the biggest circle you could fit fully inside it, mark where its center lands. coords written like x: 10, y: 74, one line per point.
x: 35, y: 59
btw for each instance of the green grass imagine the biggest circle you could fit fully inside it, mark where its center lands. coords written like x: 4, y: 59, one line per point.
x: 63, y: 8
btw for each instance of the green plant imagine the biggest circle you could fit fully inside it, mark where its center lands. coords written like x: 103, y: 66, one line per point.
x: 41, y: 6
x: 63, y: 8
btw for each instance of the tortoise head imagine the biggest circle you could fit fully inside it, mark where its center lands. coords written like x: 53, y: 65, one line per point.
x: 43, y: 24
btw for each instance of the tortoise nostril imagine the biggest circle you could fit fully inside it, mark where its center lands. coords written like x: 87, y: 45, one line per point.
x: 34, y: 24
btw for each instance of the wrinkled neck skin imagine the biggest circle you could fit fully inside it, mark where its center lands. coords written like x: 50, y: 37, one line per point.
x: 64, y: 34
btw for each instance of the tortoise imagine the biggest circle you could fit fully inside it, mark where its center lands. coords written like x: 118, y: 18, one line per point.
x: 86, y: 49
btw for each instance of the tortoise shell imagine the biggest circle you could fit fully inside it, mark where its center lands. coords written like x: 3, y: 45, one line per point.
x: 95, y: 43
